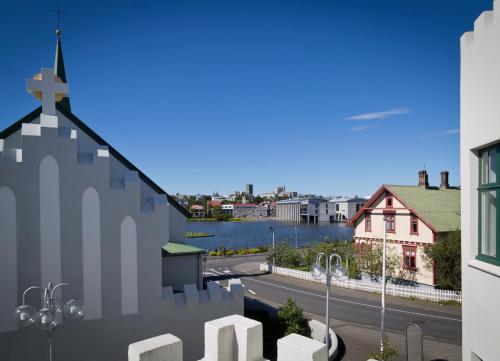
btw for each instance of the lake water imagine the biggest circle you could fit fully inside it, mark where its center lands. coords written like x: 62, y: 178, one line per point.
x: 236, y: 235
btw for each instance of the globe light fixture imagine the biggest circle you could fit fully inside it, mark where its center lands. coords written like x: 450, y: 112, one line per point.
x: 25, y: 315
x: 51, y: 311
x: 73, y: 309
x: 319, y: 273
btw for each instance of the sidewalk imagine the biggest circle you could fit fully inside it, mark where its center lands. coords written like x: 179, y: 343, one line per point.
x: 370, y: 297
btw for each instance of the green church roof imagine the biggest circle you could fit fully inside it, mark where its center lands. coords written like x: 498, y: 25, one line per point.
x: 179, y: 249
x: 438, y: 207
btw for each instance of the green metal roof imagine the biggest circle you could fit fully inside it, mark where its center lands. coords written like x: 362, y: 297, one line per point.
x: 438, y: 207
x: 179, y: 248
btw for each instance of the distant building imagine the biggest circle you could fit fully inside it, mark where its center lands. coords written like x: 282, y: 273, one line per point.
x: 416, y: 216
x: 340, y: 209
x: 480, y: 183
x: 197, y: 211
x: 249, y: 211
x: 249, y: 189
x: 228, y: 209
x: 299, y: 210
x: 279, y: 192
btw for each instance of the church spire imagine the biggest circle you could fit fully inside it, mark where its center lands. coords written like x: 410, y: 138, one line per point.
x: 59, y: 70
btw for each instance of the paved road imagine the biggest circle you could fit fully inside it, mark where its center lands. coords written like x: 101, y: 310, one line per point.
x: 438, y: 323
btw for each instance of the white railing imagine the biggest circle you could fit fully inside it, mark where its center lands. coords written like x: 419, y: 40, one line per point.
x: 423, y: 293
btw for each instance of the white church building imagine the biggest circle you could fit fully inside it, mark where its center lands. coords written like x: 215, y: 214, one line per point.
x: 479, y: 163
x: 73, y: 209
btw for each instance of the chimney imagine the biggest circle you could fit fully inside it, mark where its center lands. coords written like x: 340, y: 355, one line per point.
x: 445, y: 184
x: 423, y: 180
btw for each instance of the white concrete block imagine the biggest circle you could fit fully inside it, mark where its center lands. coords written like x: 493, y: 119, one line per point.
x: 103, y: 153
x: 233, y: 338
x: 300, y: 348
x: 161, y: 348
x: 235, y: 288
x: 49, y: 121
x: 31, y: 130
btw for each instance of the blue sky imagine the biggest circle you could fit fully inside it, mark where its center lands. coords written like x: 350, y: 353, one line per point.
x: 326, y: 97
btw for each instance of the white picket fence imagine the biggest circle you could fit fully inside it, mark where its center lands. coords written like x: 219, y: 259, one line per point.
x: 423, y: 293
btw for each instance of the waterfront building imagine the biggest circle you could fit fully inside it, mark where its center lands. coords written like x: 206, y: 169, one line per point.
x: 416, y: 217
x: 74, y: 209
x: 480, y: 184
x: 228, y: 209
x: 340, y: 209
x: 299, y: 209
x: 197, y: 211
x: 250, y: 210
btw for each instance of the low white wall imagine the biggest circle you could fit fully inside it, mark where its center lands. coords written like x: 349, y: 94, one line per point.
x: 231, y: 338
x: 424, y: 293
x: 318, y: 334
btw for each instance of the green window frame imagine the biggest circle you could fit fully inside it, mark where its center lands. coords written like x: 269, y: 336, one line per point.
x: 489, y: 190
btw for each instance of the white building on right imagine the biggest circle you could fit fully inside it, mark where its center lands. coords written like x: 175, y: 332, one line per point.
x: 480, y: 161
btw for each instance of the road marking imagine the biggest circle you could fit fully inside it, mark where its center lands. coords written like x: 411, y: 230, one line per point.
x: 253, y: 293
x: 357, y: 303
x: 217, y: 272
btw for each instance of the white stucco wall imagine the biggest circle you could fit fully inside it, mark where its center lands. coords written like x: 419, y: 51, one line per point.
x: 177, y: 228
x: 71, y: 212
x: 182, y: 269
x: 479, y: 127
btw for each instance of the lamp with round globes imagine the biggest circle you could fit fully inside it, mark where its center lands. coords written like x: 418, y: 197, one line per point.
x: 319, y: 273
x: 51, y: 311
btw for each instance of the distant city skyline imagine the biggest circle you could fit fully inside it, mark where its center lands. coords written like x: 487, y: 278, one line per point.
x: 323, y: 97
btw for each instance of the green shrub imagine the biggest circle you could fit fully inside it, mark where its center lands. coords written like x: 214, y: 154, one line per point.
x: 389, y: 354
x: 291, y: 319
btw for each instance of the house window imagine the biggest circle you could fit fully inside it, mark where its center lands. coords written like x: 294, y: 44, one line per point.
x: 368, y: 223
x: 489, y: 220
x: 337, y: 207
x: 413, y: 224
x: 391, y: 223
x: 410, y: 258
x: 388, y: 200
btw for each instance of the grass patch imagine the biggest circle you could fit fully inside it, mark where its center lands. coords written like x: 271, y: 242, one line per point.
x: 198, y: 234
x: 450, y: 303
x: 236, y: 252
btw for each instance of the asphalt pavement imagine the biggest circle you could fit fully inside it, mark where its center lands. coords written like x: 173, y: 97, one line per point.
x: 354, y: 314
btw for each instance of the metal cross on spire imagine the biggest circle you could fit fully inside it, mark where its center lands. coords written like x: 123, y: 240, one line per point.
x: 59, y: 12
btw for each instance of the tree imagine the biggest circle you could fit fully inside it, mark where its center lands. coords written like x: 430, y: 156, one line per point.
x: 291, y: 319
x: 370, y: 260
x: 286, y: 256
x: 444, y: 257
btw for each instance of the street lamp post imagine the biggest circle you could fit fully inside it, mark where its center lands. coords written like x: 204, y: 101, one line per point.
x: 51, y: 311
x: 274, y: 250
x: 382, y: 309
x: 319, y: 272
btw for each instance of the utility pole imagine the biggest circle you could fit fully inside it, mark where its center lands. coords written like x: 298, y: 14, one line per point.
x: 382, y: 310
